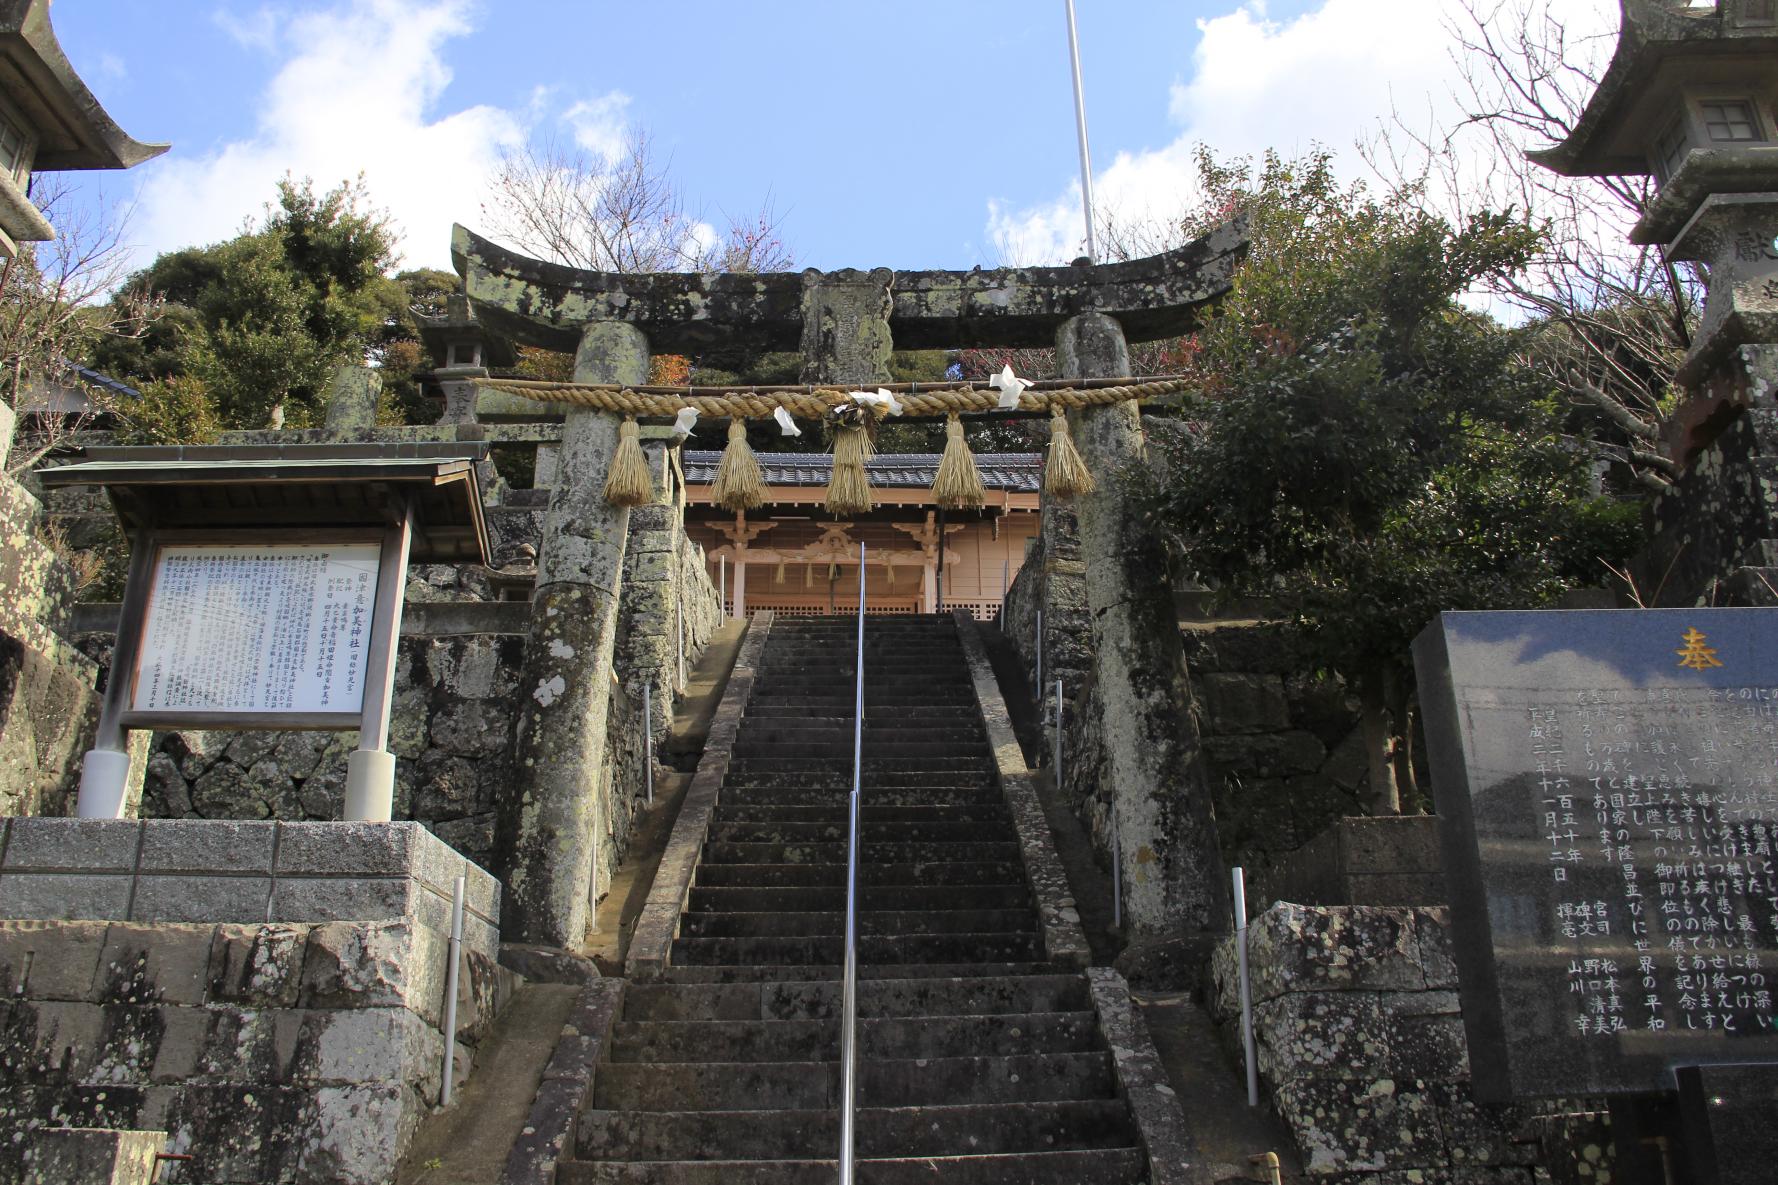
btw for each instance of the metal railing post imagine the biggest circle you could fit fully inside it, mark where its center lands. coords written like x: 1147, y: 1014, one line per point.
x: 450, y: 1008
x: 849, y: 1007
x: 1247, y: 1042
x: 1040, y: 655
x: 648, y: 738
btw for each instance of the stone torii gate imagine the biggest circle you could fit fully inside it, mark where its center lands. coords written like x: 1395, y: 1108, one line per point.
x: 846, y: 323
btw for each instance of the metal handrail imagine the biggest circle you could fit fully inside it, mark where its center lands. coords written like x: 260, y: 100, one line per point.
x: 849, y: 992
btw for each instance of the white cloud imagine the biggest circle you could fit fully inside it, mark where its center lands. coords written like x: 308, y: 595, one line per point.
x: 1329, y: 76
x: 599, y: 125
x: 356, y: 92
x: 256, y: 30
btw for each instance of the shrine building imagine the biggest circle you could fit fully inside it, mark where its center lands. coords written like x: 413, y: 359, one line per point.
x: 791, y: 557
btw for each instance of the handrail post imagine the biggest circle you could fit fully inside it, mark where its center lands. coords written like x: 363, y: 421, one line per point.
x: 648, y: 739
x: 849, y: 994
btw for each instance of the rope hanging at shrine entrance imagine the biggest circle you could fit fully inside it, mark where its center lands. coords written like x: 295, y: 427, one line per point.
x: 854, y: 416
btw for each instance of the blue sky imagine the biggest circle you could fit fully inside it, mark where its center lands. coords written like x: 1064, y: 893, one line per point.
x: 918, y: 133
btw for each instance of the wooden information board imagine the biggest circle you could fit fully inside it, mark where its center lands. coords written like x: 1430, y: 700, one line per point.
x: 272, y: 633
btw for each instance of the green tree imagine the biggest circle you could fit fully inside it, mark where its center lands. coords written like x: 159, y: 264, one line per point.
x: 1367, y: 451
x: 261, y: 320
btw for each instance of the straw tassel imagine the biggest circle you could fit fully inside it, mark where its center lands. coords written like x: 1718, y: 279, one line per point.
x: 808, y: 575
x: 1065, y: 475
x: 628, y: 484
x: 779, y: 578
x: 889, y: 568
x: 958, y: 482
x: 848, y: 492
x: 739, y: 485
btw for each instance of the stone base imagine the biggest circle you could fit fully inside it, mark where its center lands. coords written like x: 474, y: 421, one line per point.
x: 270, y: 995
x: 1362, y: 1048
x: 1363, y: 861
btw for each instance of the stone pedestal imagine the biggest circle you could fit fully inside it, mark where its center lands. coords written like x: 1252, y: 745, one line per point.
x: 270, y: 995
x: 1172, y: 869
x: 548, y: 834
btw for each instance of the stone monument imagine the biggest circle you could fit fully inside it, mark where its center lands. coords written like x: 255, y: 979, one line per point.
x: 1607, y: 788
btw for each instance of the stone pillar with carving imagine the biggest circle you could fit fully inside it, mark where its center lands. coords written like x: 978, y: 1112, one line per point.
x: 548, y: 828
x: 1173, y: 873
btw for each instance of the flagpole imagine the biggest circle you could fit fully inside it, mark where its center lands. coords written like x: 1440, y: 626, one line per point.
x: 1080, y: 125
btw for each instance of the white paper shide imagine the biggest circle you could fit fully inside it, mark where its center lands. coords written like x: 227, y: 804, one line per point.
x: 258, y: 629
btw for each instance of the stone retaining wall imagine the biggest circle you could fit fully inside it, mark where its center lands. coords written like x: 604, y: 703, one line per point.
x: 270, y: 995
x: 1283, y: 747
x: 1362, y: 1049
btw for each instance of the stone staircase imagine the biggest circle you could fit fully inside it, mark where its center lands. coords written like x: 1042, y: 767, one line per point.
x: 980, y: 1062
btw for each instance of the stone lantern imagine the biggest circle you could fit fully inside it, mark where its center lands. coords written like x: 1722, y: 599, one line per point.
x: 1691, y: 97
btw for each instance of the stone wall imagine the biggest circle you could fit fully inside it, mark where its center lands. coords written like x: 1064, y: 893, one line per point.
x: 1283, y: 748
x: 1362, y: 1049
x: 271, y: 995
x: 48, y: 706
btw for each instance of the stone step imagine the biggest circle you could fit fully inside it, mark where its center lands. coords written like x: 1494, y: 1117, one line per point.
x: 1009, y: 947
x: 871, y: 832
x: 820, y: 999
x: 838, y: 809
x: 1097, y: 1166
x: 924, y: 852
x: 880, y: 1131
x: 812, y: 972
x: 899, y: 1082
x: 758, y: 710
x: 843, y: 765
x: 698, y: 924
x: 871, y: 779
x: 787, y: 730
x: 874, y: 898
x: 875, y: 797
x: 978, y: 872
x: 842, y: 749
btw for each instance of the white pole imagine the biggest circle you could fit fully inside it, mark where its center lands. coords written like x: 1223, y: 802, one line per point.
x: 1246, y: 988
x: 849, y: 991
x: 1040, y: 655
x: 679, y: 636
x: 722, y: 587
x: 648, y: 739
x: 450, y: 1017
x: 1117, y: 873
x: 1080, y: 127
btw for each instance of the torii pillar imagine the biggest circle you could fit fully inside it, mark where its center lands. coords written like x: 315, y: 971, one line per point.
x: 1173, y: 878
x: 550, y: 830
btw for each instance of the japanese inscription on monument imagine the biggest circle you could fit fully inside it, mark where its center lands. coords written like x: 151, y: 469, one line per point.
x: 1607, y: 784
x: 258, y: 629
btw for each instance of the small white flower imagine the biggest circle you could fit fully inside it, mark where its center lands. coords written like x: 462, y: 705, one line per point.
x: 786, y: 425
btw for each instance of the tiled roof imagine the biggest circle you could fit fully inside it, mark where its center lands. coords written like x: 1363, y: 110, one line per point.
x: 1018, y: 472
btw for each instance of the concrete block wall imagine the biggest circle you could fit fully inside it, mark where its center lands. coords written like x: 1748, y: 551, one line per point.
x: 269, y: 994
x: 1362, y: 1050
